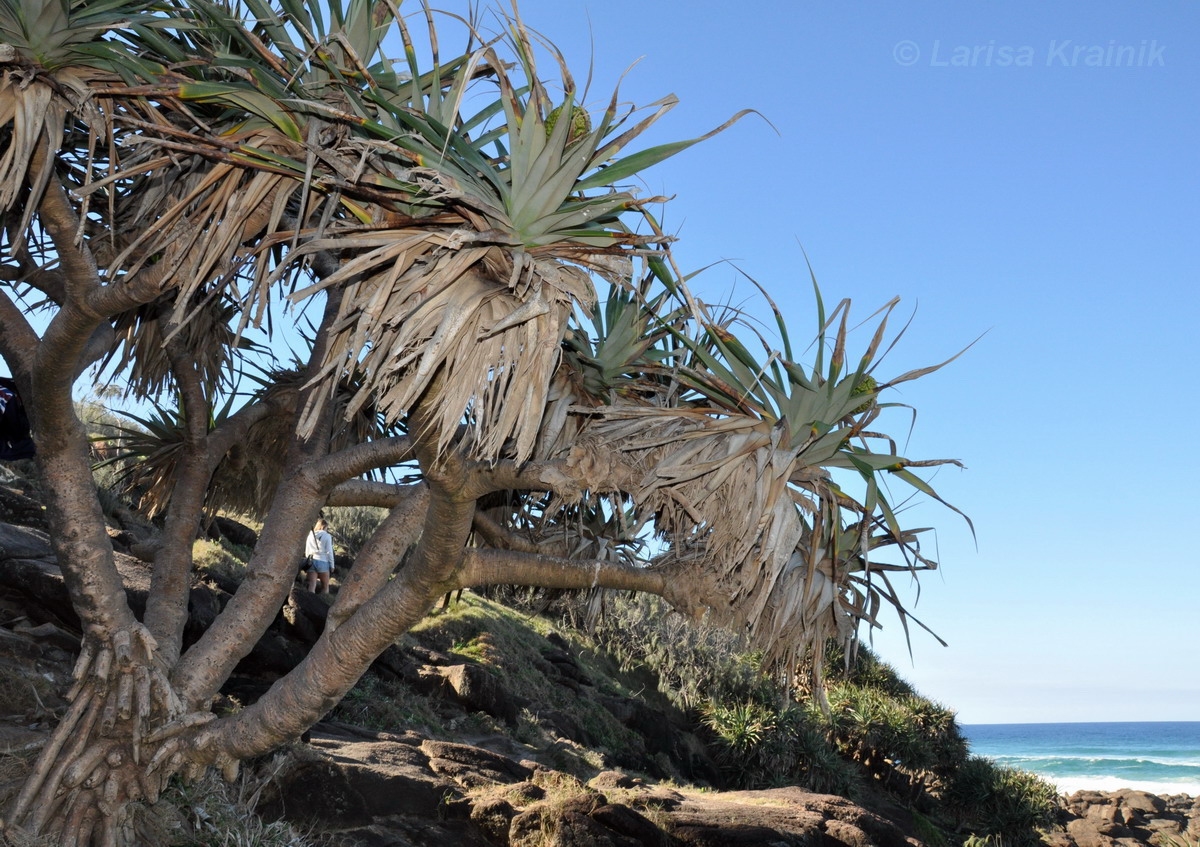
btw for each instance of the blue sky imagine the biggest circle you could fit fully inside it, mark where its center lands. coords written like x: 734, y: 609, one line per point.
x: 1050, y: 204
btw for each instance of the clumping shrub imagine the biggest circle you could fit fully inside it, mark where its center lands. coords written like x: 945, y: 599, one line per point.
x: 695, y: 662
x: 992, y: 800
x: 880, y: 732
x: 983, y: 841
x: 910, y: 744
x: 1178, y: 841
x: 761, y: 746
x: 352, y: 526
x: 866, y: 670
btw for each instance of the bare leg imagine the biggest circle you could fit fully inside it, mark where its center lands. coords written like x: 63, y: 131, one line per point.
x: 312, y: 579
x: 324, y: 583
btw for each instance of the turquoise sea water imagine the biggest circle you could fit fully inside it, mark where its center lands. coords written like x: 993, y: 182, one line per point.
x: 1163, y: 758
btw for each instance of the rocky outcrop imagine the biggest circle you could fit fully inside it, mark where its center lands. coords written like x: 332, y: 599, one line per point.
x: 781, y: 816
x: 373, y: 788
x: 1125, y: 818
x: 473, y: 688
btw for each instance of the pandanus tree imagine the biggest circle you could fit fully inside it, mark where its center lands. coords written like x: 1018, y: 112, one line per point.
x: 477, y: 296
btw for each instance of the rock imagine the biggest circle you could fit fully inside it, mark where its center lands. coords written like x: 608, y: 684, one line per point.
x: 715, y: 834
x: 16, y: 507
x: 565, y: 726
x: 1084, y: 833
x: 19, y: 542
x: 564, y: 829
x: 399, y: 831
x: 523, y: 793
x: 842, y: 833
x: 40, y: 587
x: 781, y: 816
x: 1167, y: 827
x: 429, y: 656
x: 236, y: 532
x: 472, y: 767
x: 584, y: 802
x: 877, y: 830
x: 204, y: 604
x: 315, y: 790
x: 303, y: 616
x: 122, y: 539
x: 396, y: 664
x: 614, y: 779
x: 273, y: 656
x: 50, y: 634
x: 625, y: 821
x: 1139, y: 802
x: 245, y: 689
x: 1126, y: 818
x: 393, y: 779
x: 494, y: 817
x: 1104, y: 814
x: 478, y: 690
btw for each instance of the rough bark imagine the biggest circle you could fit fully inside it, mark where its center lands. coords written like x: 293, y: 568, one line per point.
x: 166, y: 607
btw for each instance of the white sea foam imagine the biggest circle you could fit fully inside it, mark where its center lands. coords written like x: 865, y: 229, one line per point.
x: 1071, y: 784
x: 1027, y: 760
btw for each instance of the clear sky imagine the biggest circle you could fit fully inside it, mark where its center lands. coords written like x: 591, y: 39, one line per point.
x: 967, y: 157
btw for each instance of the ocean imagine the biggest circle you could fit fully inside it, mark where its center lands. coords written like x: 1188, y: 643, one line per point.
x: 1162, y: 758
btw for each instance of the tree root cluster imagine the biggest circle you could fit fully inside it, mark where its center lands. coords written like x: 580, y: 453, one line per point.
x: 120, y: 741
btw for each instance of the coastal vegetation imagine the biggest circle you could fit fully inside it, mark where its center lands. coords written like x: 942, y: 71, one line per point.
x: 573, y: 685
x: 490, y: 342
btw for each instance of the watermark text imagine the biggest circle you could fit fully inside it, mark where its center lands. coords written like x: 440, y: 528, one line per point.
x: 1057, y: 53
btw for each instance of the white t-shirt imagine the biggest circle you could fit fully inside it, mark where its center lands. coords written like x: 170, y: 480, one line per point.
x: 319, y: 545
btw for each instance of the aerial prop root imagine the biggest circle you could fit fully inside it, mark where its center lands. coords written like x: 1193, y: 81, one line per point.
x: 122, y: 738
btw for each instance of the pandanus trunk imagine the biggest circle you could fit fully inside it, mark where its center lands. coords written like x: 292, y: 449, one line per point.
x: 112, y: 747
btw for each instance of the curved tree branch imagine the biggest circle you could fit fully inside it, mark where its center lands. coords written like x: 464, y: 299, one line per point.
x: 363, y: 492
x: 502, y: 538
x: 18, y: 341
x: 50, y: 283
x: 343, y: 652
x: 271, y: 570
x: 166, y: 606
x: 550, y: 475
x: 235, y: 428
x: 380, y: 557
x: 358, y: 459
x: 80, y: 542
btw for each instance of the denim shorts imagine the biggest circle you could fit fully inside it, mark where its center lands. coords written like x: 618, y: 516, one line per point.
x: 319, y: 565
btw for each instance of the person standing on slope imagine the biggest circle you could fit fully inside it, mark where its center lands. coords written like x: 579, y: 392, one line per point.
x: 318, y: 549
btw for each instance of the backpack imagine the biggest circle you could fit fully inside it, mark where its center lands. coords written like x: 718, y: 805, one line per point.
x: 15, y: 441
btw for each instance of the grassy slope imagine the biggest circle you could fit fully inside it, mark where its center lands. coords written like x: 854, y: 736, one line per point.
x: 881, y: 741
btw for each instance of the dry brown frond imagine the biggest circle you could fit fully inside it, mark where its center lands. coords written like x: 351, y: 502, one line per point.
x: 34, y: 107
x: 760, y: 554
x: 422, y: 303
